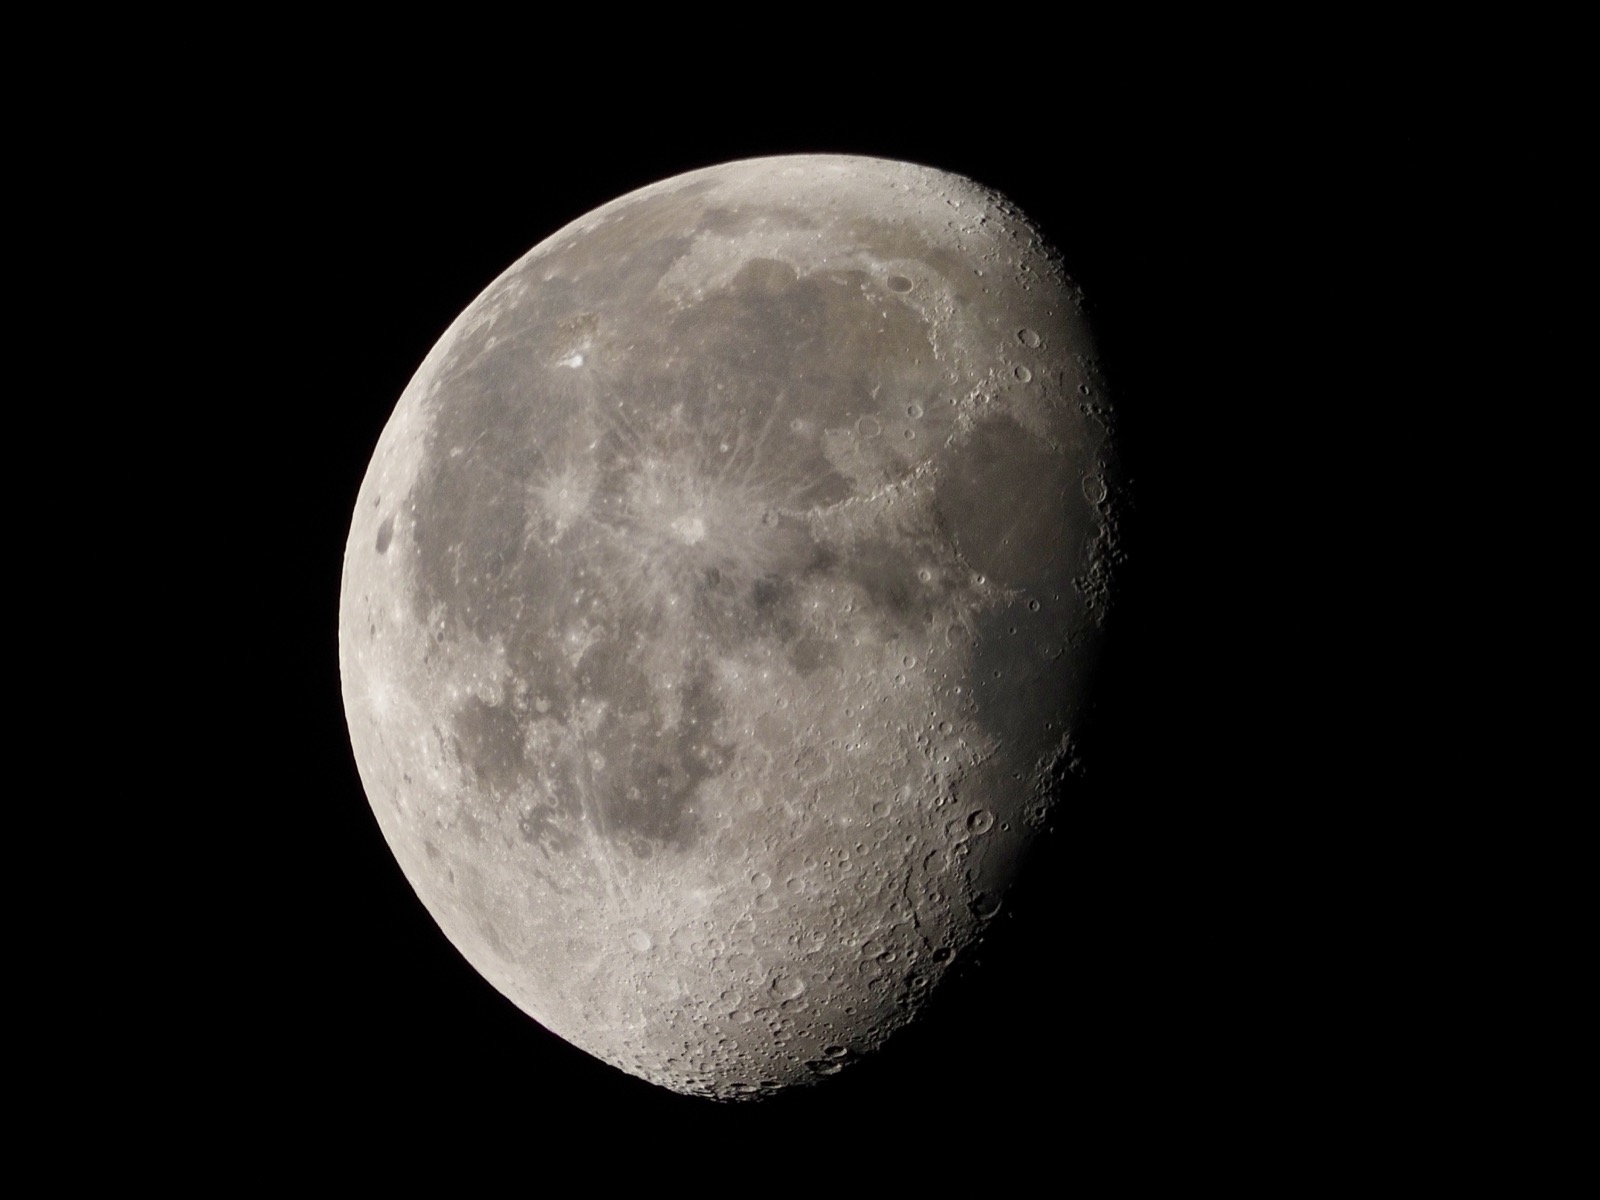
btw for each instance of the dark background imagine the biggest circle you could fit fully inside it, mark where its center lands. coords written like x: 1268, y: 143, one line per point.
x: 1146, y: 982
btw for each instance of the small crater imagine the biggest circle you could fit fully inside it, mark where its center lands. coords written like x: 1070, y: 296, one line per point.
x: 385, y: 533
x: 899, y: 283
x: 1023, y: 374
x: 981, y: 821
x: 640, y: 940
x: 985, y: 905
x: 1029, y: 338
x: 869, y: 427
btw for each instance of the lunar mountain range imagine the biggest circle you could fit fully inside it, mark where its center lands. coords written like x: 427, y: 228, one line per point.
x: 720, y: 603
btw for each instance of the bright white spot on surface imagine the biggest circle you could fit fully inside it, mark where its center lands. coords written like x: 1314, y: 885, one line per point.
x: 690, y: 529
x: 572, y: 360
x: 381, y: 696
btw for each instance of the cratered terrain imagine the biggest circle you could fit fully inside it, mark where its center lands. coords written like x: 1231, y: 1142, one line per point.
x: 720, y: 605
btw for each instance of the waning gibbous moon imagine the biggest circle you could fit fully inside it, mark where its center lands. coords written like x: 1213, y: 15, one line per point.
x: 720, y: 603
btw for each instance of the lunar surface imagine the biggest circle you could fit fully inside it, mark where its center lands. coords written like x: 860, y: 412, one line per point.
x: 719, y: 605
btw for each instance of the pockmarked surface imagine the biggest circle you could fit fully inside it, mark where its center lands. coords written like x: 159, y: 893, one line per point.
x: 719, y: 605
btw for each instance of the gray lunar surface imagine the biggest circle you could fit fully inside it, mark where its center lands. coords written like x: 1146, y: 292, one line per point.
x: 719, y: 603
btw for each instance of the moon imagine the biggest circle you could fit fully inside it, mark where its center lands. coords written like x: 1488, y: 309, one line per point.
x: 721, y: 603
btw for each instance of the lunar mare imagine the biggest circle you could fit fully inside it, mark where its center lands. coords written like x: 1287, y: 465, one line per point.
x: 720, y: 603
